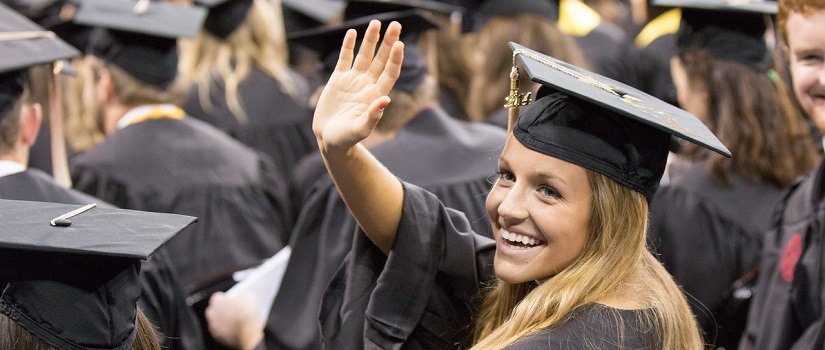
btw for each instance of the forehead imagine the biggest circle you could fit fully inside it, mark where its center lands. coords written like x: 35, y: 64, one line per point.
x: 527, y: 160
x: 802, y: 28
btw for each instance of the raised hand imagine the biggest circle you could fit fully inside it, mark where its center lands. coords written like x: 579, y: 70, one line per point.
x: 353, y: 100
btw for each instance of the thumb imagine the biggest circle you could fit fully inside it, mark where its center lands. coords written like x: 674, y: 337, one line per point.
x: 376, y: 110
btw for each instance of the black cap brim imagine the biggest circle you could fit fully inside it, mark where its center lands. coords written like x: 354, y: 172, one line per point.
x: 617, y: 97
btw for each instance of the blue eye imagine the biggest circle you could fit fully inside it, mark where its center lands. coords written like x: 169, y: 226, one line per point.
x: 505, y: 176
x: 549, y: 192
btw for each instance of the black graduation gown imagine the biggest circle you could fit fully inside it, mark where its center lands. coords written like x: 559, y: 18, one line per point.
x: 188, y: 167
x: 423, y: 295
x: 786, y: 312
x: 279, y: 125
x: 595, y: 326
x: 654, y: 77
x: 709, y: 236
x: 161, y: 300
x: 448, y: 100
x: 35, y: 185
x: 453, y: 159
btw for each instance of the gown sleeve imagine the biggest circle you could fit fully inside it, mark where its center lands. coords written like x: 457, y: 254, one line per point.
x: 424, y: 294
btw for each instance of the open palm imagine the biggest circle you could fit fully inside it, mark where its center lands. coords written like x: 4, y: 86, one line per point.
x: 353, y: 100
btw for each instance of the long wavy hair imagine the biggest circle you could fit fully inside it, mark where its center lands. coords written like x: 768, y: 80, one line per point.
x: 260, y: 41
x: 755, y: 117
x: 14, y: 336
x: 615, y: 263
x: 493, y: 58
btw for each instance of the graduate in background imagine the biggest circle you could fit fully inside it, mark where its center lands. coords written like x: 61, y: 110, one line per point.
x: 75, y: 285
x: 418, y: 140
x: 787, y: 311
x: 162, y: 298
x: 656, y: 42
x: 530, y: 22
x: 708, y: 222
x: 238, y: 80
x: 609, y: 51
x: 155, y: 158
x: 569, y: 214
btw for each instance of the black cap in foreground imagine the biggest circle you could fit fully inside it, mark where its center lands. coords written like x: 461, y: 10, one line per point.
x: 729, y: 30
x: 24, y: 44
x: 601, y: 124
x: 327, y: 42
x: 77, y: 287
x: 140, y: 37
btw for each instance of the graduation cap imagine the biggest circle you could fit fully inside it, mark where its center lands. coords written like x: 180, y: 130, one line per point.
x: 306, y: 14
x: 56, y: 16
x: 140, y: 37
x: 362, y: 8
x: 77, y: 287
x: 601, y: 124
x: 729, y: 30
x: 24, y: 44
x: 327, y: 42
x: 494, y: 8
x: 225, y: 16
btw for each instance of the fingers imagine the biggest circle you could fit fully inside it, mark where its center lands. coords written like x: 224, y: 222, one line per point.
x: 367, y: 50
x: 374, y: 112
x: 392, y: 69
x: 392, y: 35
x: 347, y: 48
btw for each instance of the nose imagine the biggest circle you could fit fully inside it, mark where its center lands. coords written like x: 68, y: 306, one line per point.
x: 512, y: 208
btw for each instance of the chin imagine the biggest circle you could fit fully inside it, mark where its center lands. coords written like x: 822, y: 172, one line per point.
x: 513, y: 274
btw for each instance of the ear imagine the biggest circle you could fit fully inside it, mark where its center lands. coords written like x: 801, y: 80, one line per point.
x: 31, y: 116
x: 105, y: 88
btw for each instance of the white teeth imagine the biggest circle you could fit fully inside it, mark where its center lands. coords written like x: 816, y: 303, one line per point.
x: 517, y: 238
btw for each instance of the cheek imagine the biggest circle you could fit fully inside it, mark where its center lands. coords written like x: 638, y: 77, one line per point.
x: 493, y: 201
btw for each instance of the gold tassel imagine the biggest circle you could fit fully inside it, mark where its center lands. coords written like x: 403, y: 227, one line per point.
x: 515, y: 99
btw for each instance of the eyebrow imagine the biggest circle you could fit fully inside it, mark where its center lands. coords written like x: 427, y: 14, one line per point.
x: 542, y: 175
x: 803, y: 50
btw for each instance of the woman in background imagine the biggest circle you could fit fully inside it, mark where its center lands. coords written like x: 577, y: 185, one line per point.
x: 708, y: 222
x: 240, y: 81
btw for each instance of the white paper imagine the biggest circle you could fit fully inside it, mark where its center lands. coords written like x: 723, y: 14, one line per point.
x: 263, y: 281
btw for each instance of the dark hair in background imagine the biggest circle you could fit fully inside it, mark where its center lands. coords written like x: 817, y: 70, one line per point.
x: 14, y: 336
x: 755, y: 117
x: 454, y: 62
x: 491, y: 83
x: 10, y: 123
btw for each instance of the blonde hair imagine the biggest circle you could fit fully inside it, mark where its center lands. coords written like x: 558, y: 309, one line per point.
x: 614, y: 263
x: 259, y: 41
x: 83, y: 126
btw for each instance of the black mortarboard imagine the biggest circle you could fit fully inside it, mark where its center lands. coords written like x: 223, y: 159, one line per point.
x: 225, y: 16
x: 140, y: 37
x: 24, y: 44
x: 494, y: 8
x: 327, y: 42
x: 56, y: 16
x: 77, y: 287
x: 729, y: 30
x: 362, y: 8
x: 601, y: 124
x: 306, y: 14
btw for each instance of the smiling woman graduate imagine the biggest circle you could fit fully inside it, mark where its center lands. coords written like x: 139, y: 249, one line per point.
x: 569, y: 211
